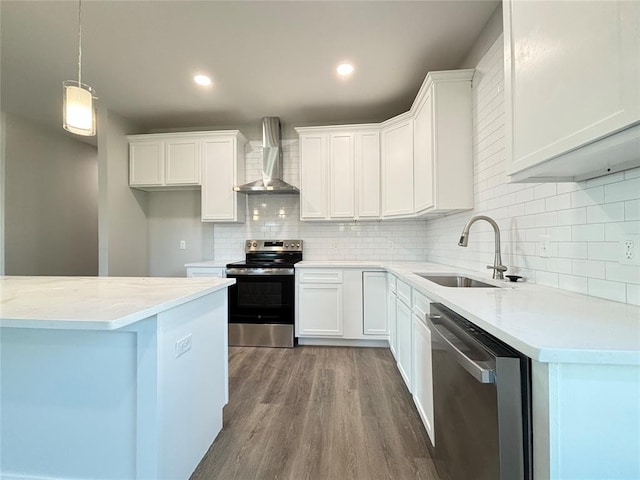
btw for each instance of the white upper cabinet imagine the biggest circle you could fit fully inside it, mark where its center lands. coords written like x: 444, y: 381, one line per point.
x: 313, y: 176
x: 164, y: 162
x: 367, y: 161
x: 339, y: 173
x: 442, y: 144
x: 341, y: 176
x: 572, y: 85
x: 223, y: 167
x: 397, y: 167
x: 182, y: 165
x: 419, y: 163
x: 146, y: 163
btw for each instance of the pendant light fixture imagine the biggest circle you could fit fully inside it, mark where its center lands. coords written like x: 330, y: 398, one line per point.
x: 79, y: 114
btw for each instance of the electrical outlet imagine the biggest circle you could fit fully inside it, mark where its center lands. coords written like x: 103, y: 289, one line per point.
x: 183, y: 345
x: 630, y: 250
x: 544, y: 246
x: 390, y: 245
x: 183, y: 244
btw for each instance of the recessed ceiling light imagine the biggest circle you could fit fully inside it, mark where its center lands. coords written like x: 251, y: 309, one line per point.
x: 345, y: 69
x: 202, y: 80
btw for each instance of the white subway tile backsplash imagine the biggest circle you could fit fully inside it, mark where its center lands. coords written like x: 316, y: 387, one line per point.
x: 573, y: 283
x: 608, y: 212
x: 588, y: 233
x: 588, y: 268
x: 588, y: 196
x: 615, y: 291
x: 584, y: 220
x: 625, y: 190
x: 574, y: 216
x: 633, y: 294
x: 632, y: 209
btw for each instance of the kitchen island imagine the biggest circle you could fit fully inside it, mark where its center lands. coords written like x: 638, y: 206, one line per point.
x: 106, y: 378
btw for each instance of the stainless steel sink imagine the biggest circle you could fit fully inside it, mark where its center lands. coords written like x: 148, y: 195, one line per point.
x: 458, y: 281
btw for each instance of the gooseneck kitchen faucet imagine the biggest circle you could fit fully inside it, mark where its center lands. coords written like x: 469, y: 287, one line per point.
x: 497, y: 267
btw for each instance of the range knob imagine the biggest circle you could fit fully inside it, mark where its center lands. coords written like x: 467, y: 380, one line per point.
x: 286, y: 245
x: 255, y: 244
x: 249, y: 244
x: 298, y: 245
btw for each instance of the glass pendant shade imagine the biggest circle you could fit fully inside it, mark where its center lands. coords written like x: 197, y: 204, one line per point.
x: 79, y: 111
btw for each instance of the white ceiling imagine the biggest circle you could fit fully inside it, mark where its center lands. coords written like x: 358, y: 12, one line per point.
x: 265, y: 58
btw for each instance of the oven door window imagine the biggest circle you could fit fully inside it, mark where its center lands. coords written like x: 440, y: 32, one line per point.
x: 262, y: 299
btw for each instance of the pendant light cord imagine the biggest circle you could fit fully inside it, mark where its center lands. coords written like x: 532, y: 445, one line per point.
x: 79, y: 42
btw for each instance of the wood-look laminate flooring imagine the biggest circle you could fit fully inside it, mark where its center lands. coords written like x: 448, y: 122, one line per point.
x: 317, y: 413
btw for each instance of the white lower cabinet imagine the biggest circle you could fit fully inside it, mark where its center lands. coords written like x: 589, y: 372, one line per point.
x: 422, y: 374
x: 320, y: 309
x: 404, y: 344
x: 392, y: 299
x: 349, y: 304
x: 374, y: 303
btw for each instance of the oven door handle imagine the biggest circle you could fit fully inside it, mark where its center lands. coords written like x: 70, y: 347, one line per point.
x: 483, y: 372
x: 259, y: 271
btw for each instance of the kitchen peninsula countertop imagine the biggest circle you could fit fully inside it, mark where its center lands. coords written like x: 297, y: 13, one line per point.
x: 546, y: 324
x: 95, y: 303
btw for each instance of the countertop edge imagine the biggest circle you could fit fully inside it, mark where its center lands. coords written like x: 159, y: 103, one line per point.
x: 116, y: 323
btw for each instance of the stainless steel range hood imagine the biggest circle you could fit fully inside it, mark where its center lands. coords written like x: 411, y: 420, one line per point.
x: 271, y: 181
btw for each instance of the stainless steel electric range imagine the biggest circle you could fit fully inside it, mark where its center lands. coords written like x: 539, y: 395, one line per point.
x: 262, y: 302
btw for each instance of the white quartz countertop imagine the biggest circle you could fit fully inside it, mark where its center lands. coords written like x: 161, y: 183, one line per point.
x: 546, y: 324
x: 95, y: 303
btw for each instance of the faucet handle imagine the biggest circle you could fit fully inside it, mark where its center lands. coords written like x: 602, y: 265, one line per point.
x: 498, y: 268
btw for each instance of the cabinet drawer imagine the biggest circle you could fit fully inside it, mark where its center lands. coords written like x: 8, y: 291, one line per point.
x: 205, y: 272
x: 320, y: 276
x: 404, y: 292
x: 420, y: 305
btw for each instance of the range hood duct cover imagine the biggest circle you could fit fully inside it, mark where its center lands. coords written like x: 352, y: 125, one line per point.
x: 271, y: 181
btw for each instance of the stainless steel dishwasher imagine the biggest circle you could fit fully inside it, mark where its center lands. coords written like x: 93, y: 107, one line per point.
x: 482, y: 398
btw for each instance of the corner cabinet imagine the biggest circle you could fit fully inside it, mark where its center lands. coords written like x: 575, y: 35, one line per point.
x: 419, y: 163
x: 210, y: 161
x: 572, y: 89
x: 442, y: 144
x: 339, y: 173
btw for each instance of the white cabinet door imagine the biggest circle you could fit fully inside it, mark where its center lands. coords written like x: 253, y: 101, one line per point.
x: 404, y: 343
x: 423, y: 375
x: 443, y: 147
x: 182, y: 162
x: 341, y: 176
x: 423, y: 167
x: 391, y: 314
x: 397, y: 168
x: 314, y: 157
x: 320, y: 309
x: 146, y: 163
x: 367, y: 181
x: 222, y: 168
x: 375, y: 303
x: 572, y: 76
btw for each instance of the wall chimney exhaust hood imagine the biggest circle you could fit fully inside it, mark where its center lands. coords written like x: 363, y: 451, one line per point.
x: 271, y: 181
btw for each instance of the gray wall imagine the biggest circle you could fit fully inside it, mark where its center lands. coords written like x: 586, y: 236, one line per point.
x: 51, y: 202
x: 490, y: 33
x: 123, y: 235
x: 175, y: 216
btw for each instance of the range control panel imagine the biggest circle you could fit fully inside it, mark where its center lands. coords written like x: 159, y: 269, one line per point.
x: 273, y: 246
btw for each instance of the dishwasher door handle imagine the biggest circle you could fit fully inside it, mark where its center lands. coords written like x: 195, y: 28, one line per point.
x: 480, y: 370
